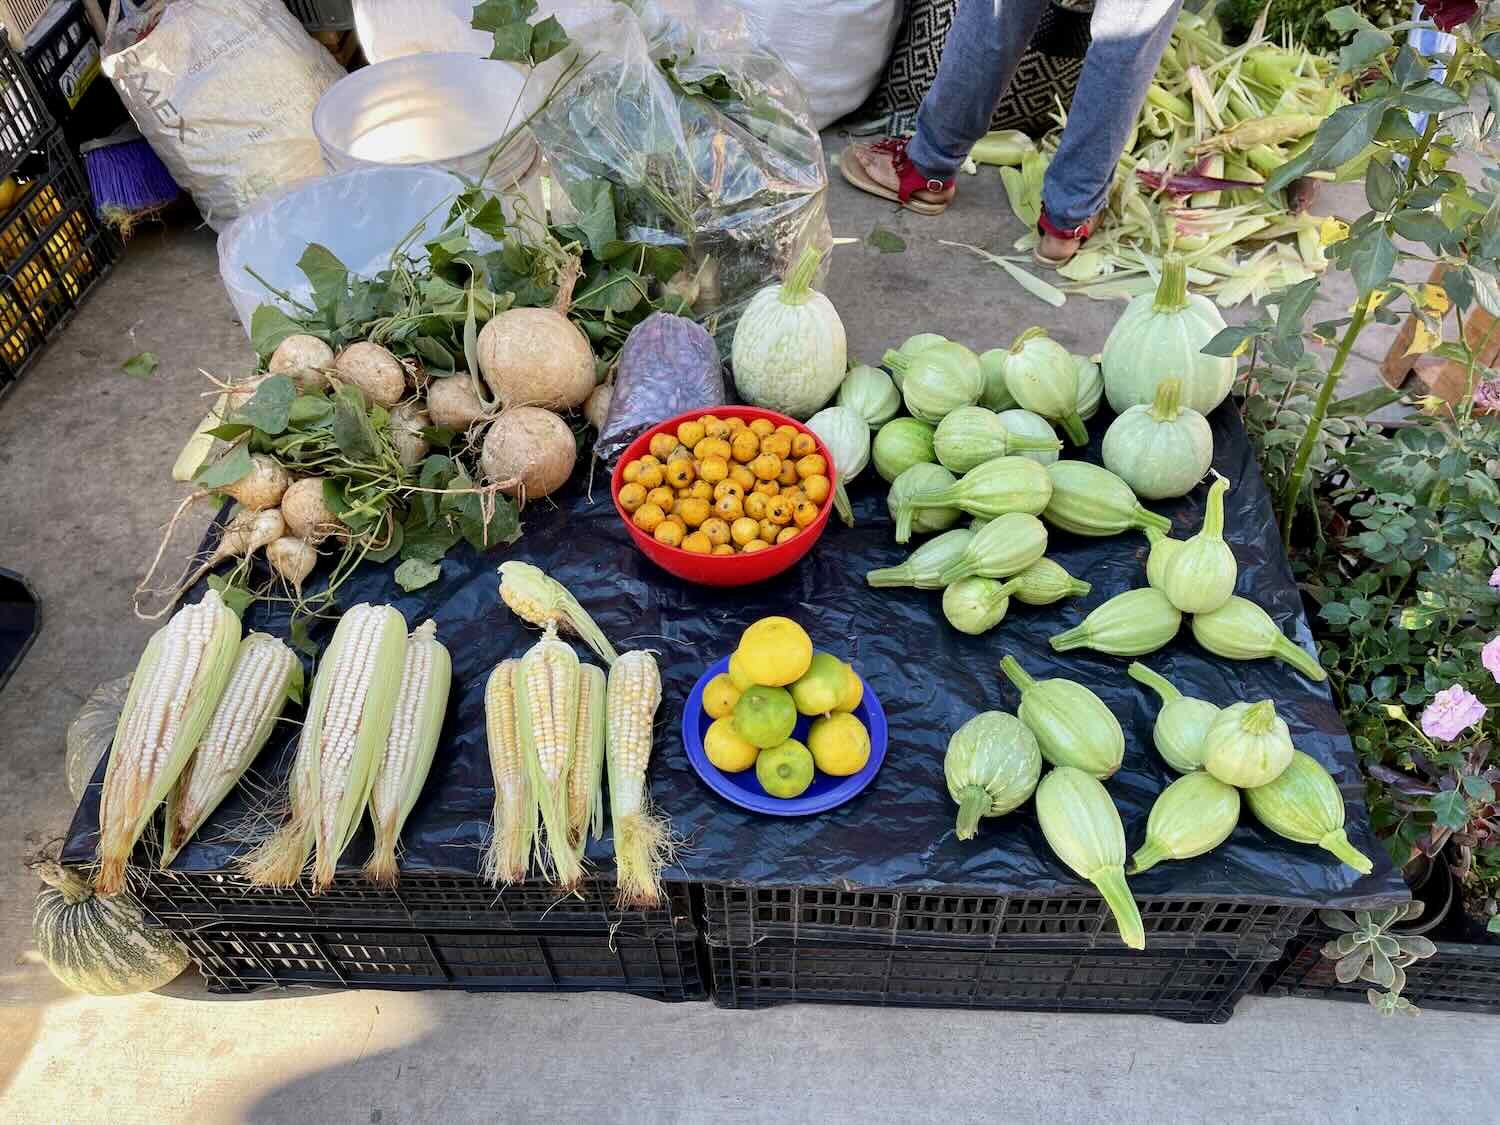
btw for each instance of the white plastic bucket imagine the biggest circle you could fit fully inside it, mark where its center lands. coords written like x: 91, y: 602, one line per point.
x: 448, y: 109
x: 361, y: 216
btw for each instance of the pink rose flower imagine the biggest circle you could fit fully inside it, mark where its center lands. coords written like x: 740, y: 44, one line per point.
x: 1495, y: 578
x: 1451, y: 712
x: 1489, y: 656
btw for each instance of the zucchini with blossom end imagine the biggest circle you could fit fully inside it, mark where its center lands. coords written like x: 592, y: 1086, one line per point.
x: 1072, y: 725
x: 1192, y: 816
x: 1304, y: 805
x: 1090, y: 500
x: 1045, y: 582
x: 1129, y: 624
x: 1006, y: 484
x: 1083, y: 829
x: 924, y: 566
x: 1199, y: 576
x: 1241, y: 630
x: 976, y: 605
x: 1181, y: 724
x: 1247, y: 745
x: 1004, y: 546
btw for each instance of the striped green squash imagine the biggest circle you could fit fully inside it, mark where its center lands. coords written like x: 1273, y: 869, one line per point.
x: 99, y: 945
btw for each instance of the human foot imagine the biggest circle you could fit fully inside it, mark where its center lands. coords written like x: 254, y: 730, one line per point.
x: 884, y: 169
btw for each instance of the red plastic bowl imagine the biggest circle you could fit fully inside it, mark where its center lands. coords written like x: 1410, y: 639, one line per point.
x: 721, y: 570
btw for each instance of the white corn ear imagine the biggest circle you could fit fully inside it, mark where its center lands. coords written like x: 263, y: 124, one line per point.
x: 546, y: 719
x: 515, y: 812
x: 407, y: 758
x: 176, y: 686
x: 585, y: 793
x: 536, y: 597
x: 266, y: 674
x: 643, y: 843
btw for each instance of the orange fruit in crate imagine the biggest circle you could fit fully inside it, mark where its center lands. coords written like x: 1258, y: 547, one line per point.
x: 13, y: 341
x: 10, y: 191
x: 45, y: 207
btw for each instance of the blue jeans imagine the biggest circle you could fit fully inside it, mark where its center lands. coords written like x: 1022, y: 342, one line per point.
x: 984, y: 45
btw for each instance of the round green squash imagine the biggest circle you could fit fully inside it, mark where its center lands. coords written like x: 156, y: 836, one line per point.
x: 1159, y: 450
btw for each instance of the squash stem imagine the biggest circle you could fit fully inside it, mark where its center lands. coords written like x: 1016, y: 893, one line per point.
x: 1213, y: 515
x: 1167, y: 402
x: 1171, y: 294
x: 888, y: 576
x: 842, y: 506
x: 1073, y: 426
x: 1012, y: 670
x: 1022, y: 443
x: 1259, y: 719
x: 1338, y: 843
x: 1078, y: 588
x: 1145, y: 519
x: 1147, y: 856
x: 1292, y: 654
x: 1024, y: 337
x: 1121, y: 903
x: 974, y: 803
x: 796, y: 289
x: 1153, y: 680
x: 1069, y: 639
x: 896, y: 362
x: 960, y: 570
x: 74, y: 887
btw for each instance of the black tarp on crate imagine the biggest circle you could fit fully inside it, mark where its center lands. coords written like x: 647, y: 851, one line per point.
x: 1201, y: 987
x: 897, y: 834
x: 246, y: 958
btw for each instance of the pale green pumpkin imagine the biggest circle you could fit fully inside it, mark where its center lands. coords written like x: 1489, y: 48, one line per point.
x: 789, y: 352
x: 1159, y: 450
x: 1161, y: 335
x: 870, y: 393
x: 1043, y: 378
x: 991, y: 767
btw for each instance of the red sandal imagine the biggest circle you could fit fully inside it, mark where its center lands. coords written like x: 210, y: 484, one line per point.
x: 884, y: 169
x: 1064, y: 241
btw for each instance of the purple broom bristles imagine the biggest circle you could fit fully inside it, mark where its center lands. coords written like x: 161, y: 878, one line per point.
x: 128, y: 181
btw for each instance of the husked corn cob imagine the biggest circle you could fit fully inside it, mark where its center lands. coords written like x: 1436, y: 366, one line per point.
x: 642, y: 839
x: 585, y: 794
x: 509, y: 852
x: 176, y: 686
x: 348, y: 721
x: 403, y: 766
x: 546, y: 719
x: 536, y: 597
x: 266, y: 674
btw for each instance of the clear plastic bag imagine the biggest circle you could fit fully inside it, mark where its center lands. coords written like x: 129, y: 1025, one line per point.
x: 91, y: 732
x: 706, y: 138
x: 668, y: 366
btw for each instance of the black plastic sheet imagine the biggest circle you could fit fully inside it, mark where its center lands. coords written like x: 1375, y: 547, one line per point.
x: 930, y: 678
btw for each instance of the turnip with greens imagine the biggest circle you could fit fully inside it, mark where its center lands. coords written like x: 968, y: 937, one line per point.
x: 453, y: 403
x: 536, y: 358
x: 596, y: 406
x: 262, y: 487
x: 528, y: 453
x: 407, y: 423
x: 308, y: 516
x: 376, y: 372
x: 305, y: 358
x: 292, y: 559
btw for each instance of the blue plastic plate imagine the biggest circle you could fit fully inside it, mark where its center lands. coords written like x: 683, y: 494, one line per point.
x: 744, y: 789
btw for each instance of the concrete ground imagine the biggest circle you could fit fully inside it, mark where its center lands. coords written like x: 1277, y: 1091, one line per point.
x: 85, y: 454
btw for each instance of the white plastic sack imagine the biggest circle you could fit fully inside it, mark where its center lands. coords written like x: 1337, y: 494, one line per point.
x: 390, y: 29
x: 836, y: 49
x: 224, y: 92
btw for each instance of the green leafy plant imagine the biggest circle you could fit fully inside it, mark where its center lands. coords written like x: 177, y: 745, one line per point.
x: 1368, y: 949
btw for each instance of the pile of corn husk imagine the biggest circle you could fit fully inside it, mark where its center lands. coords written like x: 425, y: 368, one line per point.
x: 1216, y: 122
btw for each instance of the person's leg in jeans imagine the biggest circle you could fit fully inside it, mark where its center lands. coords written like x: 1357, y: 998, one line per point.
x: 980, y: 55
x: 986, y: 41
x: 1129, y: 37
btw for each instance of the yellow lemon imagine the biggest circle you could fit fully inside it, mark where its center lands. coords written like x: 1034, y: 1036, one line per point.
x: 739, y: 675
x: 775, y: 651
x: 719, y: 696
x: 840, y: 744
x: 10, y: 191
x: 854, y: 690
x: 821, y: 686
x: 726, y: 749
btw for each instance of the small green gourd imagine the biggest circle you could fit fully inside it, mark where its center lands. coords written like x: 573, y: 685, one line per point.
x: 1090, y: 500
x: 1200, y: 575
x: 1006, y: 484
x: 996, y: 394
x: 972, y: 435
x: 936, y: 380
x: 1241, y: 630
x: 900, y: 444
x: 1007, y: 545
x: 1160, y: 450
x: 912, y: 518
x: 976, y: 605
x: 1072, y: 725
x: 1181, y: 724
x: 871, y: 394
x: 1045, y: 582
x: 1129, y: 624
x: 914, y: 344
x: 1163, y: 547
x: 1042, y: 377
x: 922, y: 566
x: 1304, y: 805
x: 1090, y: 385
x: 1247, y: 745
x: 1023, y: 423
x: 991, y: 767
x: 1192, y: 816
x: 1083, y: 829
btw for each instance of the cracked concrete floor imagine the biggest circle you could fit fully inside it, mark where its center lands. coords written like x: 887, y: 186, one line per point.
x: 85, y: 453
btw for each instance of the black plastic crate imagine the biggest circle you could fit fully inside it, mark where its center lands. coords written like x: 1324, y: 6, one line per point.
x: 746, y: 915
x: 420, y: 901
x: 63, y: 58
x: 243, y: 959
x: 323, y: 15
x: 1199, y: 987
x: 24, y: 120
x: 1458, y: 978
x: 53, y: 251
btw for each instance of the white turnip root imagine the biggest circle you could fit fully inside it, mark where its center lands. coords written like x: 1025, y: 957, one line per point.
x: 374, y: 371
x: 536, y: 357
x: 305, y: 358
x: 308, y: 516
x: 407, y: 423
x: 292, y: 559
x: 596, y: 409
x: 245, y: 534
x: 452, y: 403
x: 262, y: 487
x: 528, y: 452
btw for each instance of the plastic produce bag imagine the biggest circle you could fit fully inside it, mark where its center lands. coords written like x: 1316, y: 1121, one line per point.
x: 224, y: 92
x: 92, y: 731
x: 668, y: 366
x: 705, y: 137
